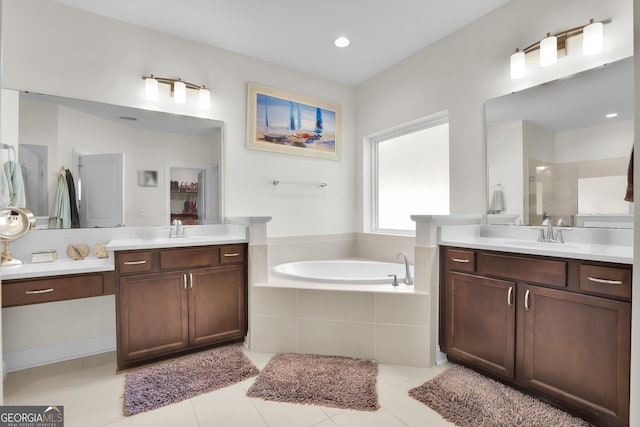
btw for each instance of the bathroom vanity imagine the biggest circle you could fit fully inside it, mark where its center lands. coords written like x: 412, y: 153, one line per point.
x: 172, y: 300
x: 558, y: 327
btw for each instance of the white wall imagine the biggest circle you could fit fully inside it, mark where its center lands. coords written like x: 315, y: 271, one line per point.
x: 595, y: 143
x: 459, y: 73
x: 54, y: 49
x: 462, y: 71
x: 505, y: 164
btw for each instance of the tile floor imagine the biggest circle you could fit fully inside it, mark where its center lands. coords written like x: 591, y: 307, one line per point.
x: 91, y: 393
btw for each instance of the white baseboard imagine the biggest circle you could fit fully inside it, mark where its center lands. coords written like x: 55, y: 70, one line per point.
x: 29, y: 358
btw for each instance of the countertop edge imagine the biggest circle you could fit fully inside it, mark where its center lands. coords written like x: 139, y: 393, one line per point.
x: 588, y: 256
x: 55, y: 268
x: 281, y: 283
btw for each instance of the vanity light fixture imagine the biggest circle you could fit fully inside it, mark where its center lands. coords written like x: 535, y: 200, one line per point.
x: 592, y: 38
x: 204, y: 97
x: 554, y: 45
x: 611, y: 115
x: 178, y: 90
x: 548, y: 50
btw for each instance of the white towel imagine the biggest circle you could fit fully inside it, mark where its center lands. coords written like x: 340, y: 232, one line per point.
x: 13, y: 173
x: 497, y: 200
x: 4, y: 189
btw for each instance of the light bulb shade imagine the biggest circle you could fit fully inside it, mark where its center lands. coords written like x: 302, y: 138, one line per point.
x: 592, y: 38
x: 204, y: 97
x: 179, y: 92
x: 151, y: 89
x: 548, y: 51
x: 518, y: 65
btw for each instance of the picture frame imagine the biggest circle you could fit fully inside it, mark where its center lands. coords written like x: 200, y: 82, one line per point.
x: 284, y: 122
x: 147, y: 178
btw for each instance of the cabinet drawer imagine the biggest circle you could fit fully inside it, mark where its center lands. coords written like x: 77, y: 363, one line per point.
x: 134, y: 262
x: 35, y: 291
x: 232, y: 254
x: 530, y: 270
x: 610, y: 281
x: 461, y: 260
x: 200, y: 256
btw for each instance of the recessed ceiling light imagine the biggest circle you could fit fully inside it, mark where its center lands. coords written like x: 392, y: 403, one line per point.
x: 342, y: 42
x: 611, y: 115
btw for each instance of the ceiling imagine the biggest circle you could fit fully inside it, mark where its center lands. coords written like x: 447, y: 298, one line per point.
x: 299, y: 34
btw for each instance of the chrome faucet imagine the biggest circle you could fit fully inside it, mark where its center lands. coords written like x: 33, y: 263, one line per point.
x: 547, y: 235
x: 407, y: 276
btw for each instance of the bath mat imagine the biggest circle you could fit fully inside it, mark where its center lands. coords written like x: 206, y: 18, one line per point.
x: 184, y: 377
x: 469, y: 399
x: 334, y: 381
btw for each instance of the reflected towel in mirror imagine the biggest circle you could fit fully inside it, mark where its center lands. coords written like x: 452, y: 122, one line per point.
x: 15, y: 184
x: 497, y: 200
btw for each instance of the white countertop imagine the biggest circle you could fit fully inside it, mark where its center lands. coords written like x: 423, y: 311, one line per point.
x: 166, y: 242
x: 606, y: 252
x: 93, y: 264
x: 56, y: 268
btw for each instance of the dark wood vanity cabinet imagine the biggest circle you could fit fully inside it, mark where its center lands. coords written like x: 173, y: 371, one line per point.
x: 558, y: 328
x: 174, y: 300
x: 39, y: 290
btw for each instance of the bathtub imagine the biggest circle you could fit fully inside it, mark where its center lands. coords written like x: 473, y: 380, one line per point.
x: 343, y: 271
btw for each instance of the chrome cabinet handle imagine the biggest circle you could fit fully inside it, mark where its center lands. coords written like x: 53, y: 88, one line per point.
x: 191, y: 280
x: 509, y: 296
x: 460, y: 260
x: 233, y: 254
x: 526, y: 300
x: 184, y: 280
x: 39, y: 291
x: 605, y: 281
x: 135, y: 262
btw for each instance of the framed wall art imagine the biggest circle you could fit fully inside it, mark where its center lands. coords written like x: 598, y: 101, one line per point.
x: 147, y: 178
x: 287, y: 123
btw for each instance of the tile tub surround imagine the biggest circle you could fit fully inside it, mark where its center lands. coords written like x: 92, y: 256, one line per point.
x: 389, y: 327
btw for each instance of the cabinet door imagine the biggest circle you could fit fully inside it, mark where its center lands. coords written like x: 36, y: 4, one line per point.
x: 480, y: 322
x: 217, y: 305
x: 577, y: 349
x: 153, y: 311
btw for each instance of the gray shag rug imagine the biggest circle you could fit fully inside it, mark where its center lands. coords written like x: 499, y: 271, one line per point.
x: 333, y: 381
x: 172, y: 381
x: 468, y: 399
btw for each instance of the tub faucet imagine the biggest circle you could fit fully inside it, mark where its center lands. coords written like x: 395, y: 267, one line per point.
x: 407, y: 276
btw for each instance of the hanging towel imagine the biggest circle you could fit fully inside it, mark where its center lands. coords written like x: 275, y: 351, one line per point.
x: 62, y: 211
x: 13, y: 173
x: 629, y: 196
x: 75, y: 217
x: 497, y: 200
x: 4, y: 189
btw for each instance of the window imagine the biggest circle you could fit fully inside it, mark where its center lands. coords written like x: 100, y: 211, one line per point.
x: 411, y: 174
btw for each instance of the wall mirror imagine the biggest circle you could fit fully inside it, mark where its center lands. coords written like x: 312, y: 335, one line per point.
x: 133, y: 147
x: 561, y: 150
